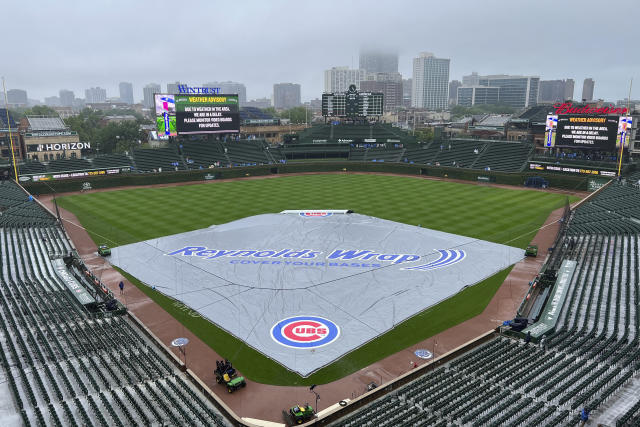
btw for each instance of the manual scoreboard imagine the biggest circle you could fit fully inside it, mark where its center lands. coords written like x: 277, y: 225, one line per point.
x: 352, y: 104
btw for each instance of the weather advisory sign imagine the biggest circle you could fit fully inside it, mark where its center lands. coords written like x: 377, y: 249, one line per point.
x: 207, y: 114
x: 581, y: 131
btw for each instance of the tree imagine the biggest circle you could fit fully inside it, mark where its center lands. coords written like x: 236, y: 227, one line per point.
x: 424, y: 134
x: 40, y: 110
x: 296, y: 114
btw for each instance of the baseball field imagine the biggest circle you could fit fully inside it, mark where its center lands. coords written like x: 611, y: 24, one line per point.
x: 500, y: 215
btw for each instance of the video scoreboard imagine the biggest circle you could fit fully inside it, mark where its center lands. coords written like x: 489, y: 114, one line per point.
x: 352, y: 104
x: 196, y: 114
x: 600, y: 132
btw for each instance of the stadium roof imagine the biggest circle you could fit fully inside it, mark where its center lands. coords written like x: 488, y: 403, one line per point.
x: 495, y: 120
x: 46, y: 123
x: 537, y: 114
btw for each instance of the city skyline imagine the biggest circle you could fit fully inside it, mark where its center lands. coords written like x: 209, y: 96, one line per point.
x: 312, y: 41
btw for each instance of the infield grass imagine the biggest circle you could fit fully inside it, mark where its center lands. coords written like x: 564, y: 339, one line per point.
x: 498, y: 215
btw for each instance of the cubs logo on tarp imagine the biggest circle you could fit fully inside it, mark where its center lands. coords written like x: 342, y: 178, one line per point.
x: 305, y: 332
x: 315, y: 214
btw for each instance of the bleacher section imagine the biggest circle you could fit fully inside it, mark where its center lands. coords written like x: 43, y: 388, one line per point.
x: 376, y: 154
x: 504, y: 156
x: 354, y: 133
x: 66, y: 366
x: 204, y: 153
x: 17, y: 209
x: 591, y: 360
x: 247, y: 153
x: 32, y: 167
x: 617, y: 208
x: 111, y: 161
x: 460, y: 153
x: 156, y: 159
x: 423, y: 154
x: 67, y: 165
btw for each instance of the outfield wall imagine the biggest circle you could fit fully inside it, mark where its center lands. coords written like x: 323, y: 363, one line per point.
x: 577, y: 183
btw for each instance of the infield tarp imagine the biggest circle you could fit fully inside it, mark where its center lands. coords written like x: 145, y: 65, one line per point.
x: 362, y: 274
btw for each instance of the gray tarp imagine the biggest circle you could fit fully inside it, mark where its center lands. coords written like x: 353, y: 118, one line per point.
x: 356, y: 271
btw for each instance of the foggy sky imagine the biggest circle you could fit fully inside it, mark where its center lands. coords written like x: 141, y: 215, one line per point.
x: 48, y: 46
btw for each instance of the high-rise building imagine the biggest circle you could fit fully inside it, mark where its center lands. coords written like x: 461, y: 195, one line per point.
x: 231, y: 88
x: 148, y: 91
x: 95, y: 95
x: 468, y: 96
x: 552, y: 91
x: 515, y: 91
x: 453, y: 91
x: 286, y: 95
x: 587, y: 89
x: 407, y: 87
x: 568, y: 89
x: 126, y: 92
x: 52, y: 101
x: 383, y: 77
x: 66, y: 98
x: 389, y: 84
x: 391, y: 92
x: 471, y: 80
x: 338, y: 79
x: 430, y: 82
x: 376, y: 61
x: 173, y: 87
x: 17, y: 97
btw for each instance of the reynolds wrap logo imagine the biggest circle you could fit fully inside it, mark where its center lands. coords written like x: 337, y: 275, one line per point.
x: 311, y: 258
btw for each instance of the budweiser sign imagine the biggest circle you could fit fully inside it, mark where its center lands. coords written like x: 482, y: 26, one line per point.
x: 568, y: 108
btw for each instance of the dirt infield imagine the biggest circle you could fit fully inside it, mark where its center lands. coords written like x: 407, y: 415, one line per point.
x: 266, y: 402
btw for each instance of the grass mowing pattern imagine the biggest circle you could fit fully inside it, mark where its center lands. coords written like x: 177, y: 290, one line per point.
x: 488, y: 213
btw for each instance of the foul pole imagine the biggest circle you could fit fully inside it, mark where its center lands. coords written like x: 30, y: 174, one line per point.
x: 13, y: 155
x: 623, y: 137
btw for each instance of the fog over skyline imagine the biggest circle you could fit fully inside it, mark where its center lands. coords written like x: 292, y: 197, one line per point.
x: 76, y: 45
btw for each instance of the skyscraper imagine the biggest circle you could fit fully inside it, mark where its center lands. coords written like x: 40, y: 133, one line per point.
x: 515, y: 91
x: 471, y: 80
x: 587, y: 89
x: 568, y: 89
x: 407, y: 87
x: 95, y: 95
x: 52, y: 101
x: 126, y: 92
x: 286, y: 95
x: 430, y: 82
x: 173, y: 87
x: 377, y: 61
x: 17, y: 97
x: 391, y: 92
x: 552, y: 91
x: 453, y: 91
x: 338, y: 79
x: 148, y: 92
x: 231, y: 88
x: 66, y: 97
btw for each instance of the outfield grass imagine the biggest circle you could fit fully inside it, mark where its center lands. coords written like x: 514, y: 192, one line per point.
x: 494, y: 214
